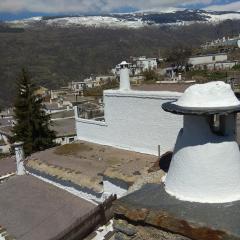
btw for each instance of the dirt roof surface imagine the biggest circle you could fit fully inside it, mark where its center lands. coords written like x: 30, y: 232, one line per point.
x: 7, y: 165
x: 172, y: 87
x: 32, y: 209
x: 88, y: 162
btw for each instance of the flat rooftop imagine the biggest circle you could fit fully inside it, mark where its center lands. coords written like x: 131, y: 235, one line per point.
x: 85, y: 163
x: 172, y: 87
x: 7, y: 166
x: 33, y: 209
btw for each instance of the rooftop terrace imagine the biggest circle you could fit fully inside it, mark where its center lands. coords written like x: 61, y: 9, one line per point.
x: 85, y: 163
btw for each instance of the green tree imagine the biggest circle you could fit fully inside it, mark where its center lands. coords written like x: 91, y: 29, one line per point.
x: 150, y: 75
x: 32, y: 123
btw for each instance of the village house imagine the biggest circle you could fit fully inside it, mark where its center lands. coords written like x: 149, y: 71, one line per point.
x: 143, y: 63
x: 77, y: 86
x: 126, y: 123
x: 65, y: 130
x: 5, y: 135
x: 218, y: 61
x: 224, y: 42
x: 138, y: 65
x: 63, y: 123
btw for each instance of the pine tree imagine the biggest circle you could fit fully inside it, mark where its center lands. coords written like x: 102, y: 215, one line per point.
x: 32, y: 123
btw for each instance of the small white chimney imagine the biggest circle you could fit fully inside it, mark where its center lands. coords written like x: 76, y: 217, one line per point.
x: 124, y: 76
x: 179, y: 76
x: 19, y: 153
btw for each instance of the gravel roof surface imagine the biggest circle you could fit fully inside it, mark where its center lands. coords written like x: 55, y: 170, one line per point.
x: 91, y: 161
x: 31, y: 209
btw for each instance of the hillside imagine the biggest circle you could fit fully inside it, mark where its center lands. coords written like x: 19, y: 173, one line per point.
x: 55, y: 56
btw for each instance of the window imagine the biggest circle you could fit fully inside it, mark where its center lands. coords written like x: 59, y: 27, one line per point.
x: 71, y: 139
x: 214, y: 58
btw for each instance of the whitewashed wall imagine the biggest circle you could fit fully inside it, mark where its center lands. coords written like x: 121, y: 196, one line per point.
x: 134, y: 120
x: 207, y: 59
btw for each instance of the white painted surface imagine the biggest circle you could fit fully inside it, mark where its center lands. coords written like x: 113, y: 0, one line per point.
x: 212, y: 94
x: 112, y: 189
x: 19, y: 153
x: 134, y: 120
x: 207, y: 59
x: 124, y: 78
x: 205, y: 166
x: 65, y: 140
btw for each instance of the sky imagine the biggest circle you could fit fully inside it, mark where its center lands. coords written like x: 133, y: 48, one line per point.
x: 19, y: 9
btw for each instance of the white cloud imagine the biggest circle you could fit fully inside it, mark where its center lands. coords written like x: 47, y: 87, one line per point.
x: 68, y: 6
x: 234, y: 6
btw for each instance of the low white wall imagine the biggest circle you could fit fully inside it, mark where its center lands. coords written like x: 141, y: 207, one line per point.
x: 65, y: 140
x: 134, y: 120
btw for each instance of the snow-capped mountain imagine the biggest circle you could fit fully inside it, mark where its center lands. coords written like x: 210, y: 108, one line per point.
x: 132, y: 20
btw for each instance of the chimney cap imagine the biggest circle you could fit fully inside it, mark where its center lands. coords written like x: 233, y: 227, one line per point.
x: 124, y: 63
x: 18, y: 144
x: 209, y: 98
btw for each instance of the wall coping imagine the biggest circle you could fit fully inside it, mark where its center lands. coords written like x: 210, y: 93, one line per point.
x: 142, y: 94
x: 91, y: 121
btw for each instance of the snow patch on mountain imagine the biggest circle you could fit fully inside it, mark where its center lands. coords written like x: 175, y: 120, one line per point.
x: 138, y: 19
x: 96, y: 21
x: 215, y: 18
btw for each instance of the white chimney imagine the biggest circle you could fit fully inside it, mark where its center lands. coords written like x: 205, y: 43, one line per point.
x: 124, y: 76
x: 205, y: 166
x: 179, y: 76
x: 19, y: 153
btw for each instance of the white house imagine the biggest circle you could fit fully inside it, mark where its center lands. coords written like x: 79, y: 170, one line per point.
x: 211, y: 61
x: 77, y: 86
x: 65, y: 130
x: 144, y: 63
x: 133, y: 120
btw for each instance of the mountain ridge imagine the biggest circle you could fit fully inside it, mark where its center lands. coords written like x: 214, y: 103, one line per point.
x: 139, y: 19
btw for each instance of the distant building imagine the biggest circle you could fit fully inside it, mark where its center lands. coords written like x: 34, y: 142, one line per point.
x: 77, y: 86
x: 143, y: 63
x: 65, y: 130
x: 206, y: 59
x: 54, y: 107
x: 138, y: 65
x: 132, y: 119
x: 5, y: 135
x: 224, y: 42
x: 217, y: 61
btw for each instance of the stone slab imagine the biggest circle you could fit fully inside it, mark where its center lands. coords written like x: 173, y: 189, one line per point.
x: 151, y: 205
